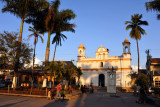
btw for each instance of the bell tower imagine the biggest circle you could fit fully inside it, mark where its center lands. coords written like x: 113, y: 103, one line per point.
x: 126, y: 46
x: 81, y: 52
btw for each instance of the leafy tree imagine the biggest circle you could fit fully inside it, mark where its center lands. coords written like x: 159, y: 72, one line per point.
x: 136, y: 30
x: 78, y: 74
x: 36, y: 35
x: 53, y: 68
x: 143, y: 81
x: 153, y: 5
x: 9, y: 41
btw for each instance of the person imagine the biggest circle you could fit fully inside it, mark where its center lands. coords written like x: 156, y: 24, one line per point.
x: 142, y: 95
x: 49, y: 95
x: 70, y: 89
x: 58, y: 91
x: 82, y: 89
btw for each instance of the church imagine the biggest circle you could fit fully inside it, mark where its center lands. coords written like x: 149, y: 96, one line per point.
x: 95, y: 69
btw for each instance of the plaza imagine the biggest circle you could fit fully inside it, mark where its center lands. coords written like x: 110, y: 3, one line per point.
x: 97, y: 99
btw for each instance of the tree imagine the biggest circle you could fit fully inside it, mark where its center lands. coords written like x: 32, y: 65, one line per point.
x: 62, y: 24
x: 10, y: 43
x: 143, y: 81
x: 36, y: 34
x: 136, y: 30
x: 153, y: 5
x: 53, y: 68
x: 78, y: 74
x: 21, y: 9
x: 49, y: 24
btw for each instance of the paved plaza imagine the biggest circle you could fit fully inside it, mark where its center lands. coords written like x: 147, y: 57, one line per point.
x: 98, y: 99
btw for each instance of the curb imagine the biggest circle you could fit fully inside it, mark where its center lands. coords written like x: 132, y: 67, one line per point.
x: 25, y: 95
x: 69, y: 97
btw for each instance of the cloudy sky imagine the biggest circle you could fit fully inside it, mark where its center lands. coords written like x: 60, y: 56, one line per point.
x: 99, y: 22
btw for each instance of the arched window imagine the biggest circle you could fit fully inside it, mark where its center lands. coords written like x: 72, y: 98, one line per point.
x: 126, y: 49
x: 80, y: 51
x: 101, y: 65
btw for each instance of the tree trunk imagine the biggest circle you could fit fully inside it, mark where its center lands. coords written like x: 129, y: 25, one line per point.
x: 54, y: 52
x: 21, y: 31
x: 48, y: 47
x: 138, y: 53
x: 33, y: 60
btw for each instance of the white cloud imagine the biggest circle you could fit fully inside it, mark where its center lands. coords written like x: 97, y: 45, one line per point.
x: 135, y: 68
x: 37, y: 61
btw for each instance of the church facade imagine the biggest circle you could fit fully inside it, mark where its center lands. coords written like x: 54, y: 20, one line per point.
x: 95, y: 69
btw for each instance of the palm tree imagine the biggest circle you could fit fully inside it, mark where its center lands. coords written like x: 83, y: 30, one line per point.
x: 49, y: 24
x: 62, y: 24
x: 57, y: 21
x: 154, y: 5
x: 36, y: 34
x: 57, y: 40
x: 136, y: 30
x: 19, y: 8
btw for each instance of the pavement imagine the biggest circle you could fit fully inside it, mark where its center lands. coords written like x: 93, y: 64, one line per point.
x: 97, y: 99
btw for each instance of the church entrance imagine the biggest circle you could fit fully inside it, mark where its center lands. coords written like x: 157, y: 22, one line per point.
x: 101, y: 80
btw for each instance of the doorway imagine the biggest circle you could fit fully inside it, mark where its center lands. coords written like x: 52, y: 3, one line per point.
x: 101, y: 80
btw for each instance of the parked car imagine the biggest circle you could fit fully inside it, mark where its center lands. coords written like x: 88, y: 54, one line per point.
x: 2, y: 84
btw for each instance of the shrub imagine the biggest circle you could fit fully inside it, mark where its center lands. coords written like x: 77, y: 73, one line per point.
x: 143, y: 81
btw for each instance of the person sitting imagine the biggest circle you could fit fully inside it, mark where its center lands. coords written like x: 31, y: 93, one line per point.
x: 49, y: 95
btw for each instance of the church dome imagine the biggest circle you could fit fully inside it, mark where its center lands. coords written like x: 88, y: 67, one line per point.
x: 102, y: 49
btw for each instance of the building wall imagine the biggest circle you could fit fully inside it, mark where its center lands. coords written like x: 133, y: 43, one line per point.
x: 91, y: 70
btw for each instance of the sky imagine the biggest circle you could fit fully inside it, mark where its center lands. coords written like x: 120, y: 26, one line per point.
x: 98, y: 23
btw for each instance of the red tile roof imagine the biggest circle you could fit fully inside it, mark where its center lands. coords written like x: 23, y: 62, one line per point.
x: 155, y: 60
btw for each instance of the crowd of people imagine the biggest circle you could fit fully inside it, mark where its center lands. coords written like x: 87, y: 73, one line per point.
x: 87, y: 89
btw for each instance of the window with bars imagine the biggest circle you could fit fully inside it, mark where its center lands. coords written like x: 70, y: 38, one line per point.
x: 157, y: 82
x: 101, y: 64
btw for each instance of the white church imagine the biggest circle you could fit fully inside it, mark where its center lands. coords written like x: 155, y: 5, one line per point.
x: 95, y: 69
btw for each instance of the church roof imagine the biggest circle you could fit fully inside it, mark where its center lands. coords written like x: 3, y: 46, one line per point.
x: 82, y: 46
x: 126, y: 40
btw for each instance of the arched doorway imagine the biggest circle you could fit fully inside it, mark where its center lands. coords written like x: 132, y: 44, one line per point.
x: 101, y: 80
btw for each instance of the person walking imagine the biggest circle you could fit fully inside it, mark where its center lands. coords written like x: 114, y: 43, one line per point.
x: 58, y: 92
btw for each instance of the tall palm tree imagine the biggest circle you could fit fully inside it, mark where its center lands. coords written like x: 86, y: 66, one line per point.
x: 154, y: 5
x: 62, y: 24
x: 57, y: 40
x: 136, y: 30
x: 49, y: 24
x: 36, y: 34
x: 19, y: 8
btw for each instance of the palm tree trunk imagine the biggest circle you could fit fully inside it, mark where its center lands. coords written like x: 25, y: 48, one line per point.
x: 48, y: 47
x: 138, y: 53
x: 33, y: 60
x: 54, y: 52
x: 21, y: 31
